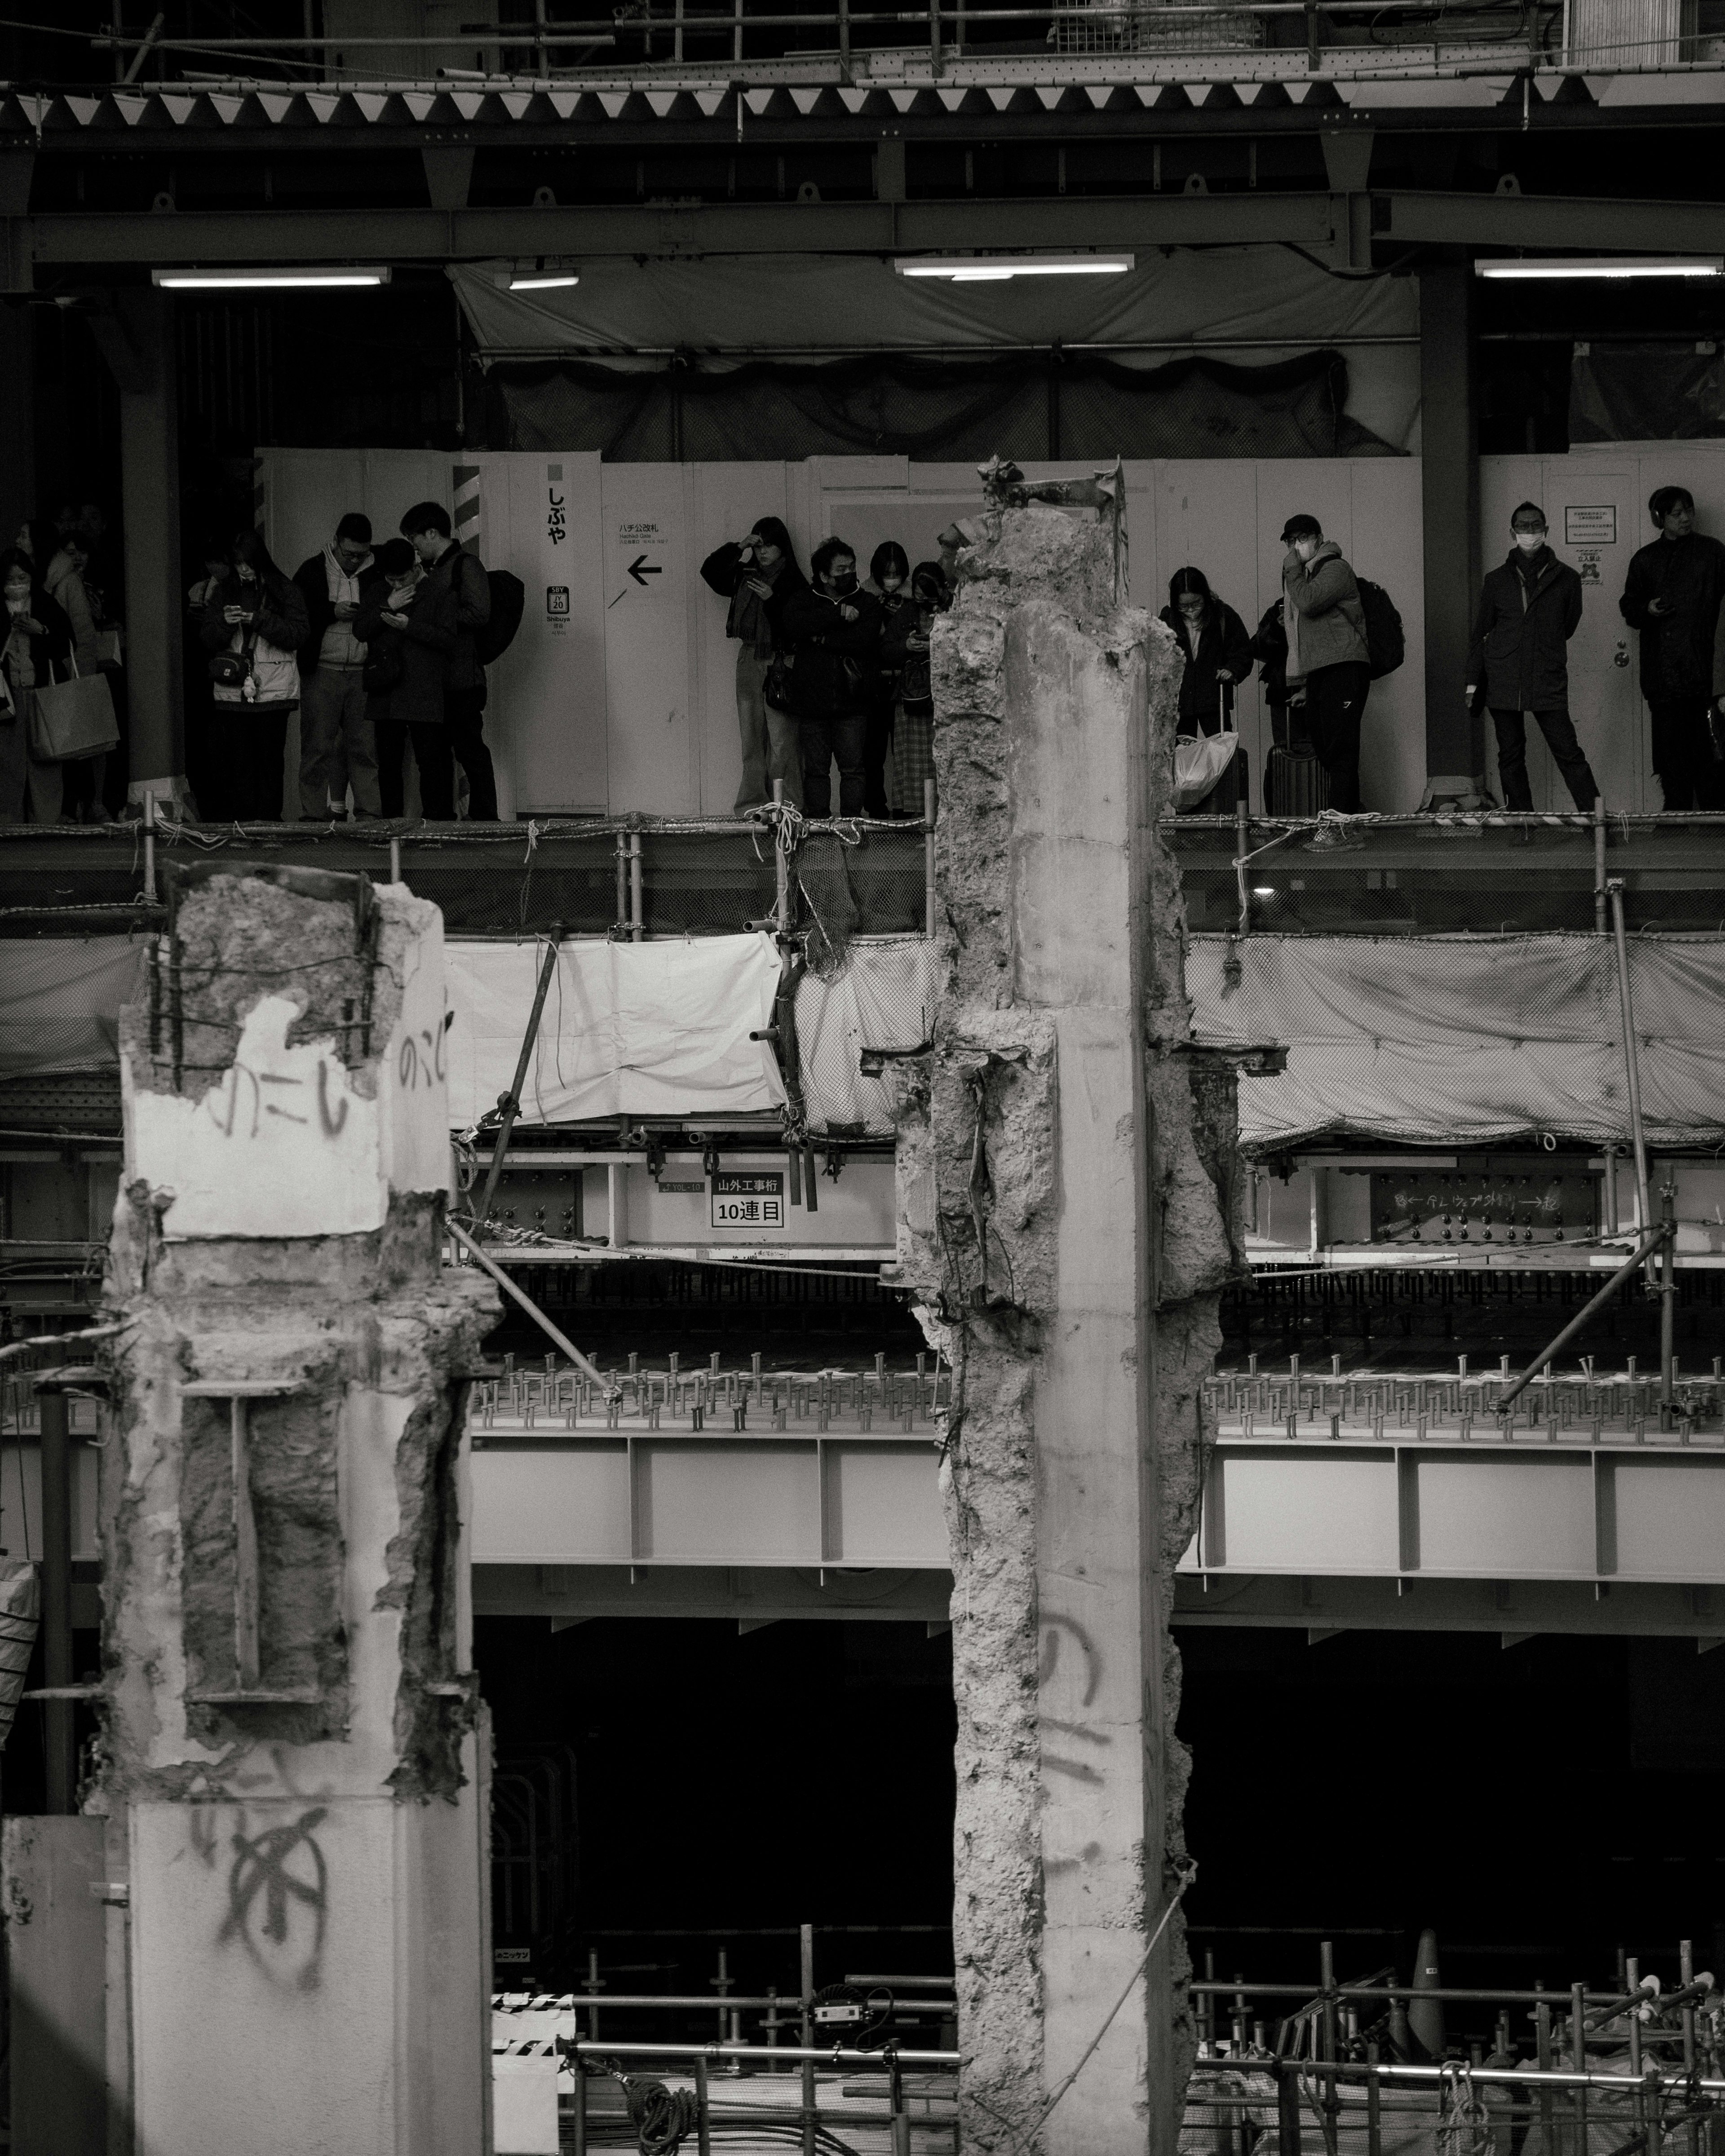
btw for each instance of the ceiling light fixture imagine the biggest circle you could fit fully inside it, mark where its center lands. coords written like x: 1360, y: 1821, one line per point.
x: 275, y: 280
x: 549, y: 283
x: 537, y: 273
x: 997, y: 269
x: 1552, y: 266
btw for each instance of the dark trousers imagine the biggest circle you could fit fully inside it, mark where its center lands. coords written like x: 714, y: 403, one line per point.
x: 464, y: 725
x: 1683, y: 753
x: 257, y: 743
x: 877, y: 742
x: 436, y: 767
x: 825, y: 742
x: 1335, y: 704
x: 1566, y: 753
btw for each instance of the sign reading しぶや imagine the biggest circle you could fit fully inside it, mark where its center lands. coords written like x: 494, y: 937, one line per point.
x: 748, y: 1198
x: 1594, y: 524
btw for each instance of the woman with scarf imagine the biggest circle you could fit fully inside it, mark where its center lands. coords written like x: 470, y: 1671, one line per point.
x: 757, y: 574
x: 37, y: 637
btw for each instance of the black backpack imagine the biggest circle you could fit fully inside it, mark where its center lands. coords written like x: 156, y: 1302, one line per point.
x: 509, y: 600
x: 1386, y: 646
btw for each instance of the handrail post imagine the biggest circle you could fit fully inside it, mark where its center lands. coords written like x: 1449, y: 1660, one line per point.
x: 928, y: 896
x: 934, y: 37
x: 1577, y: 2050
x: 1598, y: 837
x: 637, y: 916
x: 150, y: 890
x: 1668, y: 1304
x: 1374, y: 2108
x: 1242, y: 847
x: 1631, y: 1055
x: 844, y: 33
x: 805, y: 1944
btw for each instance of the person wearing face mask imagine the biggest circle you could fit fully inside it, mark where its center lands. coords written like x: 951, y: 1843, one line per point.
x: 337, y: 747
x: 1528, y: 610
x: 889, y: 585
x: 1217, y: 649
x: 39, y: 637
x: 1328, y: 667
x: 1673, y: 597
x: 408, y: 627
x: 252, y: 621
x: 756, y: 574
x: 834, y: 631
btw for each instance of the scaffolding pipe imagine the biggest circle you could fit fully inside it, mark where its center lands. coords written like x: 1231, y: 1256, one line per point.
x: 511, y: 1102
x: 928, y: 896
x: 1643, y: 1252
x: 1598, y: 812
x: 1242, y: 841
x: 612, y: 1390
x: 1668, y: 1305
x: 1632, y: 1061
x: 59, y: 1738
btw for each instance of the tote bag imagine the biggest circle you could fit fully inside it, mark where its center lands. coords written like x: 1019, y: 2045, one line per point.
x: 72, y: 719
x: 1201, y: 759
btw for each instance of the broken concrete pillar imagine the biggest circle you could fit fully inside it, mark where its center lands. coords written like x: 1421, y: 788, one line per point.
x: 1066, y: 1217
x: 292, y: 1777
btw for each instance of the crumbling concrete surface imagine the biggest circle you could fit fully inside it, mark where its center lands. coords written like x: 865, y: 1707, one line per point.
x: 1067, y: 1216
x: 290, y: 1762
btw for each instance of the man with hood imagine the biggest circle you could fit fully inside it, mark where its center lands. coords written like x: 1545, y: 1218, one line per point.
x: 1329, y: 668
x: 758, y: 573
x: 1529, y: 609
x: 1672, y: 596
x: 338, y: 746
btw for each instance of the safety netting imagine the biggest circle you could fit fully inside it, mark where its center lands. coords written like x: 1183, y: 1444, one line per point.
x: 1468, y: 1039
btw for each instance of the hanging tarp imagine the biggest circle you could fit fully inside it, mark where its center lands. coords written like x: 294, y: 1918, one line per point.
x: 629, y: 1028
x: 60, y: 999
x: 1468, y: 1039
x: 882, y: 997
x: 718, y: 357
x: 1646, y: 393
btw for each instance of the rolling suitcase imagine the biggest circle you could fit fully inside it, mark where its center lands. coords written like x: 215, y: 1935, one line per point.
x: 1294, y: 783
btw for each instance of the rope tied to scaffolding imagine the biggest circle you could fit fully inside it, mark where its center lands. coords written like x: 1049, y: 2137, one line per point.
x: 661, y: 2117
x: 1464, y: 2127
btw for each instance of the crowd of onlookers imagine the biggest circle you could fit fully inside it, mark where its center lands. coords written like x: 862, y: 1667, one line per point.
x: 382, y: 651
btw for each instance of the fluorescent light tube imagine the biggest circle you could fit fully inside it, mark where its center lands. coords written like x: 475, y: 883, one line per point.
x: 550, y: 283
x: 997, y: 269
x: 1614, y: 266
x: 252, y: 280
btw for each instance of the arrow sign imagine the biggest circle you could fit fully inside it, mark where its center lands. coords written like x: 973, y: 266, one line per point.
x: 640, y: 569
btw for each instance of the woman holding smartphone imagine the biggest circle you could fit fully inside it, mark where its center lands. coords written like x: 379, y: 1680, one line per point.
x: 758, y: 573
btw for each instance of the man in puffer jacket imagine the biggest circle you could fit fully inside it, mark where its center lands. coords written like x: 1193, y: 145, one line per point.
x: 1528, y: 611
x: 1328, y: 667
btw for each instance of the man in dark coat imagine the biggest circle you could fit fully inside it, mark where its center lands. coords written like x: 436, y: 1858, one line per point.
x: 1673, y: 597
x: 834, y: 628
x: 1528, y: 610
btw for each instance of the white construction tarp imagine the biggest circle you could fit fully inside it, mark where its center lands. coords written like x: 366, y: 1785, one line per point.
x: 59, y: 1002
x: 882, y: 997
x: 1469, y: 1039
x: 629, y: 1028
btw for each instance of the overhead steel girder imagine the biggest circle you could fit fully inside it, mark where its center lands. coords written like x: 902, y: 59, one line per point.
x: 1337, y: 222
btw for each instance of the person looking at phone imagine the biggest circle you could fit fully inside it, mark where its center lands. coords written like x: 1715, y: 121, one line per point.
x: 756, y: 574
x: 1673, y: 597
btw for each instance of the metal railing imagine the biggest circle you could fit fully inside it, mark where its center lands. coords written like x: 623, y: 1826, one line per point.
x: 664, y: 32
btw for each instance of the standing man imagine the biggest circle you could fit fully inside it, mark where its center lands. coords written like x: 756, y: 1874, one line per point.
x: 1528, y: 611
x: 1329, y: 667
x: 337, y: 745
x: 1673, y: 597
x: 449, y: 567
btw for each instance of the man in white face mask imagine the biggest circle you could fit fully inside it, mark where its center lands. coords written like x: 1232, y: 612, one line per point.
x: 1528, y: 610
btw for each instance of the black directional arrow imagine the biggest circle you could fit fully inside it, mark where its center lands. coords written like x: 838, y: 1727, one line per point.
x: 640, y: 569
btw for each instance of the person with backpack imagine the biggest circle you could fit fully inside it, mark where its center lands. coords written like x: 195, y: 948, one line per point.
x: 1329, y: 664
x: 448, y: 566
x: 1528, y: 610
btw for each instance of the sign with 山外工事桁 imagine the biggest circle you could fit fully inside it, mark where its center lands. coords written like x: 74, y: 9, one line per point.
x: 1592, y: 524
x: 748, y: 1198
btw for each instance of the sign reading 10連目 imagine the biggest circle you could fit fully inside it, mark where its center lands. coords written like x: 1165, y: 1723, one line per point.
x: 748, y: 1199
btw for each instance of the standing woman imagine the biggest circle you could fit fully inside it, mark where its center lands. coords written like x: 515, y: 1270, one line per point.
x: 38, y: 635
x: 758, y: 573
x: 252, y: 621
x: 913, y: 723
x: 889, y: 583
x: 63, y: 578
x: 1219, y: 652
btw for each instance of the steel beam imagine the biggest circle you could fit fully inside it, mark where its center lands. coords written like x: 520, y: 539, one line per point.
x: 84, y: 239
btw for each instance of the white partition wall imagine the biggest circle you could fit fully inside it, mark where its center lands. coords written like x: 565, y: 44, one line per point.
x: 618, y: 694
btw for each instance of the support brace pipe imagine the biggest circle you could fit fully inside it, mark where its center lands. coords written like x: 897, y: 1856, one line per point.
x: 511, y: 1103
x: 553, y: 1333
x: 1642, y: 1252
